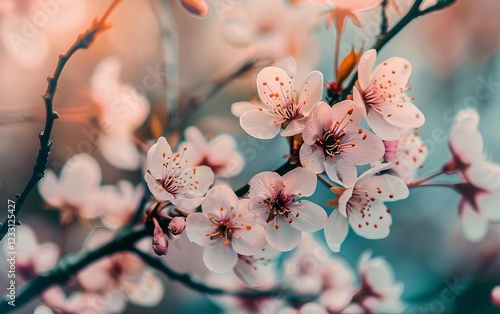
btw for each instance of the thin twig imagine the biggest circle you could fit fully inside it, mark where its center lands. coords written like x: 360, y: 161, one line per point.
x: 83, y: 41
x: 412, y: 14
x: 70, y: 265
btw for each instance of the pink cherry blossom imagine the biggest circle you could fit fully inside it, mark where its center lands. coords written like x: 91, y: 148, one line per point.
x: 495, y: 296
x: 379, y: 291
x: 219, y: 153
x: 225, y: 228
x: 361, y: 205
x: 122, y: 111
x: 480, y: 198
x: 123, y: 275
x: 275, y: 200
x: 406, y: 155
x: 171, y: 178
x: 466, y: 143
x: 282, y: 104
x: 334, y: 141
x: 254, y: 271
x: 75, y: 193
x: 381, y: 95
x: 119, y: 203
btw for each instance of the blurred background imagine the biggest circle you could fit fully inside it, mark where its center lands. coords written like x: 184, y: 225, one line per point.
x: 174, y: 58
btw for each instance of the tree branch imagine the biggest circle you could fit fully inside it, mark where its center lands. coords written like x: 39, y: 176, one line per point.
x: 83, y: 41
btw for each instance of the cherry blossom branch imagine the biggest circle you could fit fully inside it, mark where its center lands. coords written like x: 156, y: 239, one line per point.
x: 71, y: 264
x: 383, y: 39
x: 425, y: 179
x: 189, y: 282
x: 384, y: 24
x: 83, y: 41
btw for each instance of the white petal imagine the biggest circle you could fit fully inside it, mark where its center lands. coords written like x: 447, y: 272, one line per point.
x: 373, y: 222
x: 393, y: 74
x: 187, y: 204
x: 405, y: 115
x: 340, y: 170
x: 300, y: 182
x: 294, y: 127
x: 219, y: 258
x: 220, y: 199
x: 157, y: 156
x: 385, y: 188
x: 489, y: 205
x: 339, y: 115
x: 263, y: 184
x: 237, y: 31
x: 311, y: 91
x: 367, y: 148
x: 157, y: 189
x: 381, y: 128
x: 314, y: 125
x: 312, y: 158
x: 81, y: 170
x: 272, y: 81
x: 50, y: 190
x: 365, y: 66
x: 474, y: 225
x: 46, y: 256
x: 260, y: 124
x: 249, y: 240
x: 336, y: 229
x: 194, y: 136
x: 120, y: 151
x: 312, y: 216
x: 148, y: 292
x: 197, y: 227
x: 285, y: 238
x: 239, y: 108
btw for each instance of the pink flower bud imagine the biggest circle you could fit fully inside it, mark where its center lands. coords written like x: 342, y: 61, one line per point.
x: 177, y: 225
x: 160, y: 242
x: 196, y: 7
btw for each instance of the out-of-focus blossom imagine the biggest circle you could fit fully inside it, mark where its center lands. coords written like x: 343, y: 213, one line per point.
x: 254, y: 270
x: 275, y: 200
x: 379, y: 291
x: 253, y: 26
x: 466, y: 143
x: 225, y: 228
x: 219, y: 153
x: 334, y: 141
x: 75, y: 193
x: 122, y: 111
x: 339, y: 11
x: 119, y: 203
x: 282, y: 104
x: 196, y: 7
x: 177, y: 225
x: 361, y: 205
x: 467, y: 37
x: 381, y: 96
x: 170, y: 176
x: 495, y: 296
x: 308, y: 308
x: 406, y: 155
x: 123, y: 276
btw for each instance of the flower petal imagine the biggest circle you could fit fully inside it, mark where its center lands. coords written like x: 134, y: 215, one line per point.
x: 263, y: 184
x: 312, y: 158
x: 49, y: 189
x: 260, y: 124
x: 385, y: 188
x: 120, y: 151
x: 311, y: 92
x: 239, y: 108
x: 403, y: 115
x: 312, y: 216
x: 299, y: 182
x: 362, y: 148
x: 157, y: 189
x: 274, y: 86
x: 365, y: 66
x: 219, y: 199
x: 148, y: 292
x: 219, y: 258
x: 371, y: 223
x: 336, y: 229
x: 474, y: 225
x: 157, y: 157
x: 249, y: 240
x: 381, y: 128
x: 284, y: 239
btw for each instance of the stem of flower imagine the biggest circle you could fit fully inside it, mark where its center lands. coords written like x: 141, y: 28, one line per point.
x: 427, y: 178
x: 446, y: 185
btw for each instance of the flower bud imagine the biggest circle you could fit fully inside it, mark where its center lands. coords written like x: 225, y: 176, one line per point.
x: 495, y: 296
x: 160, y: 242
x: 177, y: 225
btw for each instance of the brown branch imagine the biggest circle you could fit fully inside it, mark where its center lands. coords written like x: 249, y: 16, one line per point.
x: 83, y: 41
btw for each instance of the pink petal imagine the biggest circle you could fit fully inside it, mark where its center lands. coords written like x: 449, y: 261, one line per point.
x: 294, y: 127
x: 148, y: 292
x: 300, y: 182
x: 340, y: 170
x: 197, y: 227
x: 311, y: 92
x: 369, y: 224
x: 358, y: 99
x: 275, y: 87
x: 260, y: 124
x: 195, y: 180
x: 367, y: 148
x: 46, y: 256
x: 343, y: 199
x: 194, y: 136
x: 336, y: 229
x: 474, y: 225
x: 393, y: 74
x: 81, y: 170
x: 339, y: 114
x: 358, y: 5
x: 263, y: 184
x: 157, y: 189
x: 284, y: 239
x: 403, y: 115
x: 312, y: 216
x: 381, y: 128
x: 385, y: 187
x: 220, y: 149
x: 365, y: 66
x: 187, y: 204
x: 219, y: 258
x: 312, y: 158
